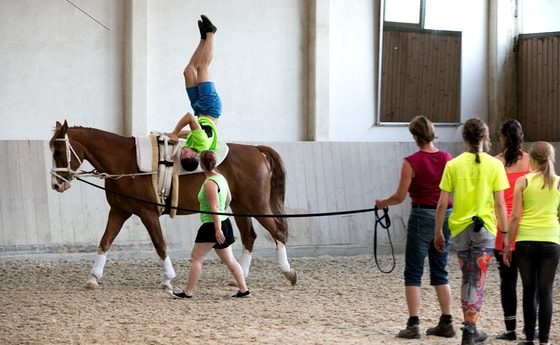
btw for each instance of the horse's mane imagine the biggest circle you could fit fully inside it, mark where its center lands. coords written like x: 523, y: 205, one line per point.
x: 97, y: 132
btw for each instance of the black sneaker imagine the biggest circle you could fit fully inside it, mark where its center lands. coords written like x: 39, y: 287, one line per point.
x: 443, y: 329
x: 410, y: 332
x: 240, y: 294
x: 507, y: 336
x: 202, y: 30
x: 208, y: 24
x: 179, y: 294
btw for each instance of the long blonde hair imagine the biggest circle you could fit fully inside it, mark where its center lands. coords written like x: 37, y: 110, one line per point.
x: 542, y: 153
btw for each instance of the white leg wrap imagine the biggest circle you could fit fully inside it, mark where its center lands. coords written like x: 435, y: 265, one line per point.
x: 97, y: 270
x: 168, y: 270
x: 282, y: 257
x: 245, y: 261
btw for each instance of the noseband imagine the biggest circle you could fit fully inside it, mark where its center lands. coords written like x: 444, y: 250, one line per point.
x: 68, y: 169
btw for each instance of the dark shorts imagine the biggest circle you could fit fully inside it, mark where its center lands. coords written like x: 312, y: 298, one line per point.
x: 205, y: 100
x: 207, y: 233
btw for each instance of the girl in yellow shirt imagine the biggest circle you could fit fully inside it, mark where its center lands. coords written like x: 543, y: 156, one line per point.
x: 477, y: 181
x: 534, y: 224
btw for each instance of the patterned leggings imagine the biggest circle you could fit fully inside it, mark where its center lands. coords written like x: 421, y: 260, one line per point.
x: 474, y: 264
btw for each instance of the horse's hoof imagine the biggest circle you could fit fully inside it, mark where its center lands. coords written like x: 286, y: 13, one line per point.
x: 91, y: 283
x: 291, y: 276
x: 166, y: 285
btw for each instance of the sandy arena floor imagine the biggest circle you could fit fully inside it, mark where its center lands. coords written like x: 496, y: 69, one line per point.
x: 337, y: 300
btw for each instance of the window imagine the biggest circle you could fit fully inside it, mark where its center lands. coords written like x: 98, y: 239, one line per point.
x: 420, y: 70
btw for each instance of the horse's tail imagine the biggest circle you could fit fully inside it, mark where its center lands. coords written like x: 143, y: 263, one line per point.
x: 277, y: 184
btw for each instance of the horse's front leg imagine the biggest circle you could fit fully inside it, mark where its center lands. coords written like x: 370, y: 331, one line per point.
x: 115, y: 221
x: 152, y: 224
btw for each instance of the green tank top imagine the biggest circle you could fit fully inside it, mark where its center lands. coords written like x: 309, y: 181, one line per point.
x: 222, y: 197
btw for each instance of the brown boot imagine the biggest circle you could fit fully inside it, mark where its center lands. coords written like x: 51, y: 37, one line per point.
x: 468, y: 338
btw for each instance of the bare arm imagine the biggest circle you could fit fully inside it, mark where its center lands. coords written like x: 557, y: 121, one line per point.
x: 514, y: 218
x: 407, y: 173
x: 500, y: 206
x: 187, y: 120
x: 443, y: 202
x: 211, y: 190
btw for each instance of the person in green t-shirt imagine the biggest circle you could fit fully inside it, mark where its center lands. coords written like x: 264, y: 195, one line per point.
x: 216, y: 231
x: 477, y: 181
x: 204, y: 99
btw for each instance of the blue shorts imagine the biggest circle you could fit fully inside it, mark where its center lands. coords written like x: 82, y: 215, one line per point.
x: 205, y: 100
x: 420, y: 243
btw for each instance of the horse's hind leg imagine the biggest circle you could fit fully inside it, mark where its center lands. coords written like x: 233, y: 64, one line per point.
x: 115, y: 222
x: 248, y: 237
x: 278, y: 230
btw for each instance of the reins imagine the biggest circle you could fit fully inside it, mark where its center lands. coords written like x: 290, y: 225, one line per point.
x: 385, y: 222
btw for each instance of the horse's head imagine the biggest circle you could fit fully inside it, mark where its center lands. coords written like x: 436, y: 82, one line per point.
x: 65, y: 158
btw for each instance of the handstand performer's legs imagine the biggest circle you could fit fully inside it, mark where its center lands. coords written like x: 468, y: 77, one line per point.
x: 190, y: 72
x: 200, y: 89
x: 196, y: 70
x: 203, y: 72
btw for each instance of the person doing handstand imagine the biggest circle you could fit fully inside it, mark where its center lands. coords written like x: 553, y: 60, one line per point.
x: 206, y: 103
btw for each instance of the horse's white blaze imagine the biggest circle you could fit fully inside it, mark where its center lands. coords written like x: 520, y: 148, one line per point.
x: 245, y: 261
x: 168, y: 271
x: 99, y: 264
x: 282, y: 256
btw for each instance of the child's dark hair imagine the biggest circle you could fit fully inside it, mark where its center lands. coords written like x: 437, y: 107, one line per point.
x: 513, y: 135
x: 208, y: 160
x: 190, y: 163
x: 423, y: 129
x: 474, y: 132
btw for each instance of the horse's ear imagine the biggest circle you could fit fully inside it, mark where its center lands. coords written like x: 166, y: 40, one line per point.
x: 58, y: 125
x: 63, y: 127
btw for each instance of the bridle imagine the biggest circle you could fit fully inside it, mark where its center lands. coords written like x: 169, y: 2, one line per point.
x: 68, y: 169
x: 72, y: 174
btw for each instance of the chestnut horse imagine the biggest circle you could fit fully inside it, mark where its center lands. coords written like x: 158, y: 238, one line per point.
x: 255, y: 174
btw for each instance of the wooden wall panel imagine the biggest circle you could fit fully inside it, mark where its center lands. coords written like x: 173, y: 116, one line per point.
x: 421, y: 74
x: 539, y: 86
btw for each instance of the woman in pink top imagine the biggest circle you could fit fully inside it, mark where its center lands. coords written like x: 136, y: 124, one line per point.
x: 420, y: 177
x: 516, y: 163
